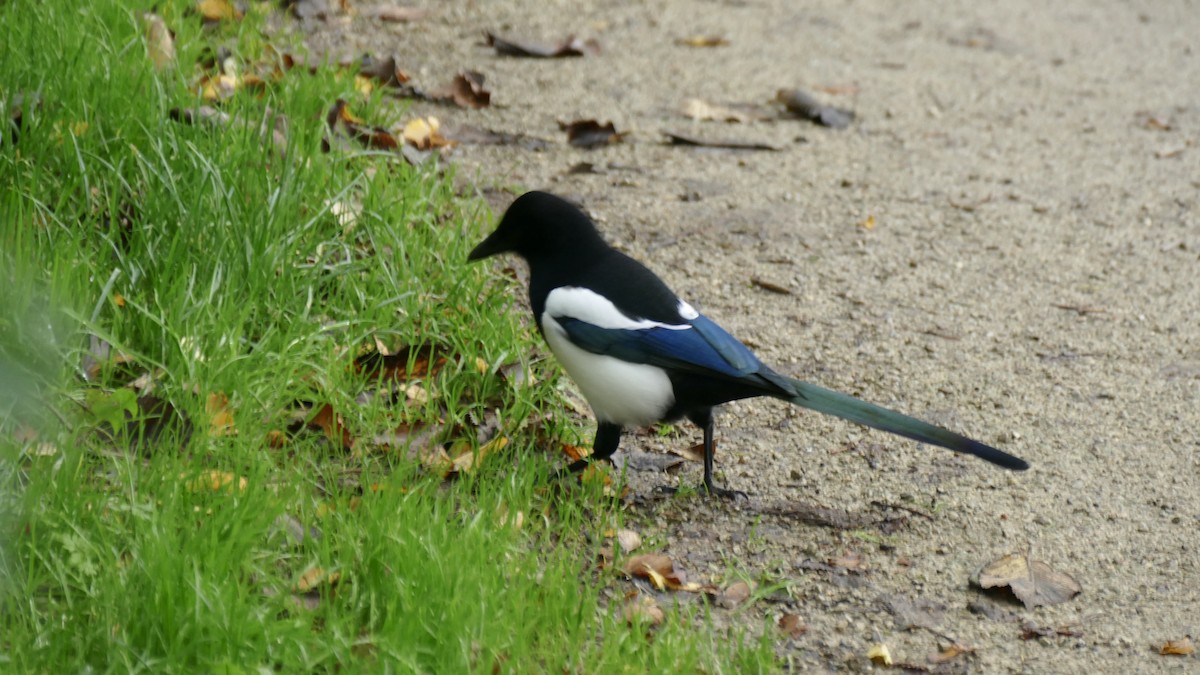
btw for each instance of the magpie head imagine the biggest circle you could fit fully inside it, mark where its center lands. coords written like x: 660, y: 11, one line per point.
x: 537, y: 226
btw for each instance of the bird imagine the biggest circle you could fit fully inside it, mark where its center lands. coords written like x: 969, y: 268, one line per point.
x: 640, y: 355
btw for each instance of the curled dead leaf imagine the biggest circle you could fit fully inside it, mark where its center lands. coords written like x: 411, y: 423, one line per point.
x: 1183, y: 647
x: 1033, y: 582
x: 569, y: 46
x: 792, y: 626
x: 590, y: 133
x: 735, y: 594
x: 880, y: 654
x: 642, y: 609
x: 314, y: 577
x: 423, y: 134
x: 628, y: 540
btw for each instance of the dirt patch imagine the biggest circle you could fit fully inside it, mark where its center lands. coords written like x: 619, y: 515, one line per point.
x: 1005, y: 241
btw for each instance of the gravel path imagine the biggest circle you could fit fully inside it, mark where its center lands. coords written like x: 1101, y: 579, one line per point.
x: 1006, y: 241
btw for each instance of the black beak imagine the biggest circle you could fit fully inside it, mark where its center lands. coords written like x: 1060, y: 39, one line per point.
x: 486, y: 248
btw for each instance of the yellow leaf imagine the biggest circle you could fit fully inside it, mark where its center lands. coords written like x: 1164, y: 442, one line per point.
x: 220, y: 420
x: 363, y: 85
x: 880, y: 654
x: 868, y: 224
x: 215, y: 480
x: 316, y: 576
x: 118, y: 300
x: 217, y: 10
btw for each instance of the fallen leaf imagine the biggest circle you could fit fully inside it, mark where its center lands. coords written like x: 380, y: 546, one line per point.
x: 590, y: 133
x: 215, y: 481
x: 343, y: 124
x: 569, y: 46
x: 694, y: 453
x: 574, y: 452
x: 699, y: 110
x: 332, y: 424
x: 642, y: 609
x: 702, y: 41
x: 868, y: 224
x: 950, y: 653
x: 792, y: 626
x: 628, y: 540
x: 656, y: 567
x: 218, y: 10
x: 467, y: 461
x: 383, y: 71
x: 160, y: 41
x: 220, y: 420
x: 1033, y: 582
x: 735, y: 594
x: 802, y: 104
x: 880, y: 654
x: 727, y: 143
x: 1182, y: 647
x: 422, y: 134
x: 405, y: 363
x: 466, y: 91
x: 314, y: 577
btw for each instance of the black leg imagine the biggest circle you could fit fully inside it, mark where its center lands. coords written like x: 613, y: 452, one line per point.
x: 608, y: 437
x: 704, y: 419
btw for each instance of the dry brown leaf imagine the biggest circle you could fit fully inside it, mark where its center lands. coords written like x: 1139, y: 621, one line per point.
x: 802, y: 104
x: 735, y: 594
x: 792, y: 626
x: 220, y: 420
x: 574, y: 452
x: 470, y: 459
x: 466, y: 91
x: 404, y: 363
x: 628, y: 540
x: 160, y: 41
x: 384, y: 71
x: 276, y: 439
x: 590, y: 133
x: 950, y: 653
x: 769, y: 286
x: 641, y: 608
x: 333, y: 425
x: 343, y: 124
x: 569, y: 46
x: 1182, y: 647
x: 1033, y: 582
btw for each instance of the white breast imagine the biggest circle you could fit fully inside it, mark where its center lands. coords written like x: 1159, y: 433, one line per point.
x: 628, y: 394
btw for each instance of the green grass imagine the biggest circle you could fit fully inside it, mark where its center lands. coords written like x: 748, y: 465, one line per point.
x: 214, y: 262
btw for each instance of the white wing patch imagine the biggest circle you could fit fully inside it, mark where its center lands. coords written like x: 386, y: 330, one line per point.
x: 588, y: 305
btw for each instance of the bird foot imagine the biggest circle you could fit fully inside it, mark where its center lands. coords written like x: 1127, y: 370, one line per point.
x: 710, y: 490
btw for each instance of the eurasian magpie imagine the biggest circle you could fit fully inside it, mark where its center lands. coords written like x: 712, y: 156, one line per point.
x: 641, y: 355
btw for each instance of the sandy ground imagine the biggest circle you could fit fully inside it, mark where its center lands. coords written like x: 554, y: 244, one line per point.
x: 1032, y: 277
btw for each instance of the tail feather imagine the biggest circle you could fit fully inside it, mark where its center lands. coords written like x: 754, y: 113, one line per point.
x: 849, y: 408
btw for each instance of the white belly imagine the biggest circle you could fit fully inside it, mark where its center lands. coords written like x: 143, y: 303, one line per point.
x: 628, y: 394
